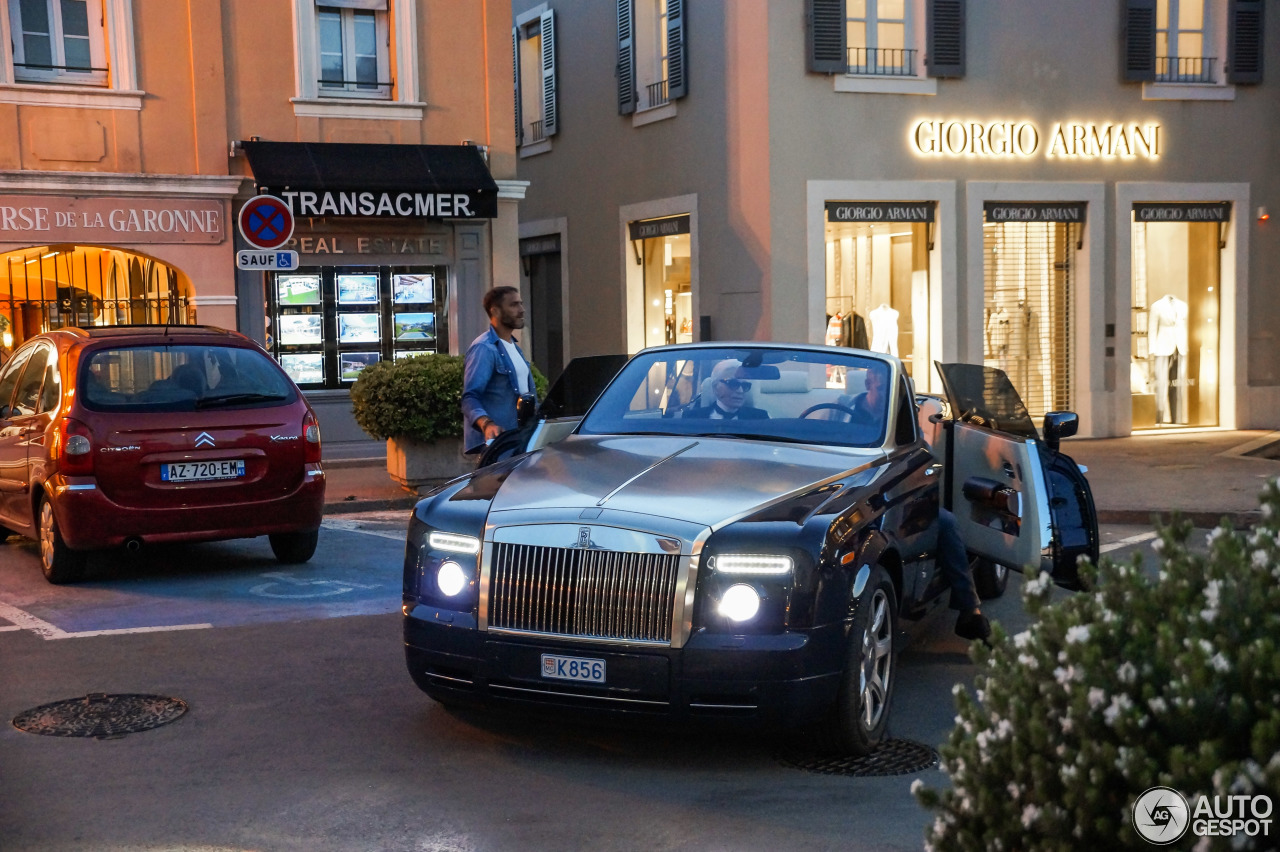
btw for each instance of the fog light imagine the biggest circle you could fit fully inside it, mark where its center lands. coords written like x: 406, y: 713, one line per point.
x: 740, y: 603
x: 451, y: 578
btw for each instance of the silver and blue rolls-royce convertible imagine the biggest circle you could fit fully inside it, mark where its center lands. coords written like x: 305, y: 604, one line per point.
x: 732, y: 531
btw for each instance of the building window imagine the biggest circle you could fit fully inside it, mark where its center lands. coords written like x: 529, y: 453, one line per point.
x: 357, y: 59
x: 886, y: 46
x: 353, y: 52
x: 58, y: 41
x: 1192, y: 49
x: 879, y: 38
x: 1183, y: 42
x: 534, y: 53
x: 652, y: 54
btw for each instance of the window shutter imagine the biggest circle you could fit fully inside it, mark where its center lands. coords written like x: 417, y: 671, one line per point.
x: 826, y: 47
x: 1244, y: 41
x: 677, y: 53
x: 944, y: 44
x: 515, y: 73
x: 550, y: 122
x: 626, y: 68
x: 1138, y: 37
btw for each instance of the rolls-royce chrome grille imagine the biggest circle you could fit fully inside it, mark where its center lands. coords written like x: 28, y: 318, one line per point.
x: 569, y: 591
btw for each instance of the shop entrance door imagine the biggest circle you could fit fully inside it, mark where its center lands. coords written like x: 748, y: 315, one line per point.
x: 1028, y: 301
x: 541, y: 259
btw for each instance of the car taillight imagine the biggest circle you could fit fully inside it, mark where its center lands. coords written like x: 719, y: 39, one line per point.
x: 73, y: 448
x: 311, y: 437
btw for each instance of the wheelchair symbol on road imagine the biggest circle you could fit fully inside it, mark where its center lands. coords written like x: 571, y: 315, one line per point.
x: 285, y: 585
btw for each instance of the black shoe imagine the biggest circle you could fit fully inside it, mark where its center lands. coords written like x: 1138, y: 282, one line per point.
x: 973, y: 625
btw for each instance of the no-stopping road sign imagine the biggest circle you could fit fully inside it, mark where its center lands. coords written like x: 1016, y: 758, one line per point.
x: 266, y: 222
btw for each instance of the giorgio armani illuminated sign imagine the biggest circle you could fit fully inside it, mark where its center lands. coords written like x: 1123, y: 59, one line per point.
x: 1003, y: 139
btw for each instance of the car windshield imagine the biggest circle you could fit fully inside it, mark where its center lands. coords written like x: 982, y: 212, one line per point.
x: 181, y: 378
x: 835, y: 398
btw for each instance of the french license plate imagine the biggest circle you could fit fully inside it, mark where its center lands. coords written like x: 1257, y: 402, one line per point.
x: 581, y: 669
x: 202, y: 471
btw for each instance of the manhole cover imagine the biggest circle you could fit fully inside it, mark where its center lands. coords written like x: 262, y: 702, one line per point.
x: 100, y: 715
x: 892, y: 757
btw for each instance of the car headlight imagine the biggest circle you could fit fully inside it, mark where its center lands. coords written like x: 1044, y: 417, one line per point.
x: 739, y: 602
x: 453, y: 542
x: 754, y: 564
x: 451, y: 578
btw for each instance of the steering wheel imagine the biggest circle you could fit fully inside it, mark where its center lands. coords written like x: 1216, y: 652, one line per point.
x: 829, y: 406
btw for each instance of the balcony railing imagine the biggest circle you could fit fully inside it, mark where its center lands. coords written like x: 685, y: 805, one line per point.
x: 656, y: 94
x: 1185, y: 69
x: 882, y: 61
x: 536, y: 133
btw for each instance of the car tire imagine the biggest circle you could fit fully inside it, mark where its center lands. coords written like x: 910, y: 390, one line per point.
x: 989, y: 578
x: 294, y: 548
x: 860, y: 719
x: 59, y: 563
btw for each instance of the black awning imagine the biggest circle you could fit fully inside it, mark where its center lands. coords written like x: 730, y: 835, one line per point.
x: 380, y: 181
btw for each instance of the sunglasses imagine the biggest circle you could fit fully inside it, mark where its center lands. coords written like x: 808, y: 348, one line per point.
x: 736, y: 384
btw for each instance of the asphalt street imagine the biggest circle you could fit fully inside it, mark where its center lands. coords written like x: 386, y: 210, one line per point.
x: 304, y: 731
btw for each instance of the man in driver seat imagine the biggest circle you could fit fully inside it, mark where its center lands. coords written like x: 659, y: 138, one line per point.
x: 730, y: 390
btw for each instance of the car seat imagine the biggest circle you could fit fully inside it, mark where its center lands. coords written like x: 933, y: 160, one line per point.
x: 189, y: 377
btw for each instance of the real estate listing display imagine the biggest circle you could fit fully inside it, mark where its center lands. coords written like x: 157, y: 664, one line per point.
x: 327, y: 324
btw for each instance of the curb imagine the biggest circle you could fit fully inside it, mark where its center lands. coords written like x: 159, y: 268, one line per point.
x: 346, y: 507
x: 1165, y: 517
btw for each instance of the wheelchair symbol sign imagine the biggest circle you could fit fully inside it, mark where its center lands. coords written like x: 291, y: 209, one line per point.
x: 284, y: 585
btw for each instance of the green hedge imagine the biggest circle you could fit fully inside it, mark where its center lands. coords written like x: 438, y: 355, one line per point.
x: 417, y: 397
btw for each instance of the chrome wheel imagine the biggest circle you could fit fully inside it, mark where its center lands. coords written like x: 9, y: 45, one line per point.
x: 877, y: 662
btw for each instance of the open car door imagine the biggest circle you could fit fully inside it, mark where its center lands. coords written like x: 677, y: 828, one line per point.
x: 574, y: 391
x: 1017, y: 499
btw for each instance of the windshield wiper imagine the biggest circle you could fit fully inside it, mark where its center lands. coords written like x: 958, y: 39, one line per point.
x: 237, y: 398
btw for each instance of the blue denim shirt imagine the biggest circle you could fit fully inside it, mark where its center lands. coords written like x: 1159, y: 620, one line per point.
x: 489, y: 387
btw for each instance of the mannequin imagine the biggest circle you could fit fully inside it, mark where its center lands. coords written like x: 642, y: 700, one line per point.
x: 1167, y: 342
x: 884, y: 329
x: 998, y: 335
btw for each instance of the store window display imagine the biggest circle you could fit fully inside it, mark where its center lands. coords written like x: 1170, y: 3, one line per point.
x: 877, y: 281
x: 1174, y: 370
x: 1029, y: 271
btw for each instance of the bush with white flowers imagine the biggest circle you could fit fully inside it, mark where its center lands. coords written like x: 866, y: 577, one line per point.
x: 1172, y: 680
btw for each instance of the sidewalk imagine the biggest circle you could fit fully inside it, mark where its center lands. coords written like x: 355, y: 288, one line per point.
x: 1203, y: 476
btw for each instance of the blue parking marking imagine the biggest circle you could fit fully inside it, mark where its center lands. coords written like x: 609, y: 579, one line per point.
x: 219, y: 584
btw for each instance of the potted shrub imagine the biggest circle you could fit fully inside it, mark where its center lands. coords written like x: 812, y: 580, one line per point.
x: 1166, y: 681
x: 414, y: 404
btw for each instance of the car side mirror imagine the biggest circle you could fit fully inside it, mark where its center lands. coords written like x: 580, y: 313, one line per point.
x: 526, y: 409
x: 1059, y: 425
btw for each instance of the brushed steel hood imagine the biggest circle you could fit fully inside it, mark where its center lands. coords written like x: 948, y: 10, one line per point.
x: 700, y: 480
